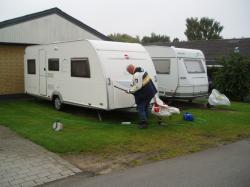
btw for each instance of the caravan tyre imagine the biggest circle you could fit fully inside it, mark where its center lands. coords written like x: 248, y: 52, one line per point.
x: 58, y: 103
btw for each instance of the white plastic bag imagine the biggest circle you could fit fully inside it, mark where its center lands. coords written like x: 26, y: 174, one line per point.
x: 216, y: 98
x: 161, y: 109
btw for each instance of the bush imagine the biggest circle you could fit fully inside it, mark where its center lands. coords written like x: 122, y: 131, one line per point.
x: 233, y: 79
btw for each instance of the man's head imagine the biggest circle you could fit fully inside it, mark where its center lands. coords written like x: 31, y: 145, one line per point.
x: 131, y: 69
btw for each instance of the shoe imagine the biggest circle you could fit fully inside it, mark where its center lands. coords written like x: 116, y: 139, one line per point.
x: 143, y: 125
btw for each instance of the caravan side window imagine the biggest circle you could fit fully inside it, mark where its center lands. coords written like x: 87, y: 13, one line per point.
x: 31, y: 65
x: 80, y: 67
x: 194, y: 66
x: 53, y: 64
x: 162, y: 66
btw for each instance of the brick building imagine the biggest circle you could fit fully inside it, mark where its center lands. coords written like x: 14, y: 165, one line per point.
x: 39, y: 28
x: 11, y: 68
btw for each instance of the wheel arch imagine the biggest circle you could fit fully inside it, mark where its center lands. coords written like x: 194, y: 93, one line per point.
x: 56, y: 94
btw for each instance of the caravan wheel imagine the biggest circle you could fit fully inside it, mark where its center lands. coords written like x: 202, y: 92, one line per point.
x: 58, y: 103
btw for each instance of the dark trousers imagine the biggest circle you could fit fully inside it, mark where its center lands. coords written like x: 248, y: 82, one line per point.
x: 142, y: 109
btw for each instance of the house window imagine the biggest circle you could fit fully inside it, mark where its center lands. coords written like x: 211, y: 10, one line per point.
x: 53, y: 64
x: 162, y: 66
x: 31, y: 65
x: 80, y: 67
x: 194, y: 66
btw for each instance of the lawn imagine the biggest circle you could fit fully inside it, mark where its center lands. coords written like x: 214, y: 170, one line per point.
x: 84, y: 133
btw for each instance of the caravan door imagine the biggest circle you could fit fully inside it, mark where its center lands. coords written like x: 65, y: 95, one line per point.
x: 42, y: 73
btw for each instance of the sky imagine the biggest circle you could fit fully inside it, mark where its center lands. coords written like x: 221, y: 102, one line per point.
x: 141, y: 17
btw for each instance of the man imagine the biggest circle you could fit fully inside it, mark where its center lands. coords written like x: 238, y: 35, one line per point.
x: 143, y: 90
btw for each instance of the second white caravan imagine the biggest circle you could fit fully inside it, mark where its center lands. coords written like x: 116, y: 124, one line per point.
x: 181, y: 73
x: 84, y: 72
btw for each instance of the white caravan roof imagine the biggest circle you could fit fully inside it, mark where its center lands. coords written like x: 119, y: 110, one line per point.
x: 116, y: 46
x: 173, y: 52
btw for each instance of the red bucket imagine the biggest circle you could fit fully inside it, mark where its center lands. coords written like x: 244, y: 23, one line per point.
x: 156, y: 107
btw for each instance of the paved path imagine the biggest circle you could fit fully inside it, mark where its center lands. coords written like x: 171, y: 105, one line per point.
x: 23, y: 163
x: 223, y: 166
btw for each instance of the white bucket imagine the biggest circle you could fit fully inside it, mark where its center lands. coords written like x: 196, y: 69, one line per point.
x: 57, y: 126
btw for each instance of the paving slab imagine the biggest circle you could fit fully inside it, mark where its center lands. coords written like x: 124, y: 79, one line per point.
x: 23, y: 163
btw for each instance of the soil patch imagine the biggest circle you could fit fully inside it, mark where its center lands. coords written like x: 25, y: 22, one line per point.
x: 99, y: 165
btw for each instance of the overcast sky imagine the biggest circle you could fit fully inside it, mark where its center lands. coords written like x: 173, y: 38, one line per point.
x: 141, y: 17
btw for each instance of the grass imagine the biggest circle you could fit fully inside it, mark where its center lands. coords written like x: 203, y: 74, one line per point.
x: 83, y: 133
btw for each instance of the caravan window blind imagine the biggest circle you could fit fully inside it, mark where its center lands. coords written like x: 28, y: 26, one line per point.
x: 194, y: 66
x: 162, y: 66
x: 80, y: 67
x: 31, y: 65
x: 53, y: 64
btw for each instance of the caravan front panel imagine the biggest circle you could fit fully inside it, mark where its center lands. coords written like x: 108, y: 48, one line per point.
x: 181, y: 73
x: 193, y: 80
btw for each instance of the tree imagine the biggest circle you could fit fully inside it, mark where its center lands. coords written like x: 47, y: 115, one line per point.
x: 155, y: 38
x: 124, y: 38
x: 233, y: 79
x: 176, y: 40
x: 203, y: 29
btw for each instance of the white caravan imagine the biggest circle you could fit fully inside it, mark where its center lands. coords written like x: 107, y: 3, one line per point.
x: 84, y: 72
x: 181, y: 73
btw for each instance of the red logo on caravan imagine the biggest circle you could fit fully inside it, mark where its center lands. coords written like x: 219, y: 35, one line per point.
x: 126, y: 56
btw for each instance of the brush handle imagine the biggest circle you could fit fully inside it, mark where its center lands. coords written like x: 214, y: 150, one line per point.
x: 120, y: 88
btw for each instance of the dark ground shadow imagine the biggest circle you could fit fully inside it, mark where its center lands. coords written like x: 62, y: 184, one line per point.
x: 123, y: 115
x: 119, y: 115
